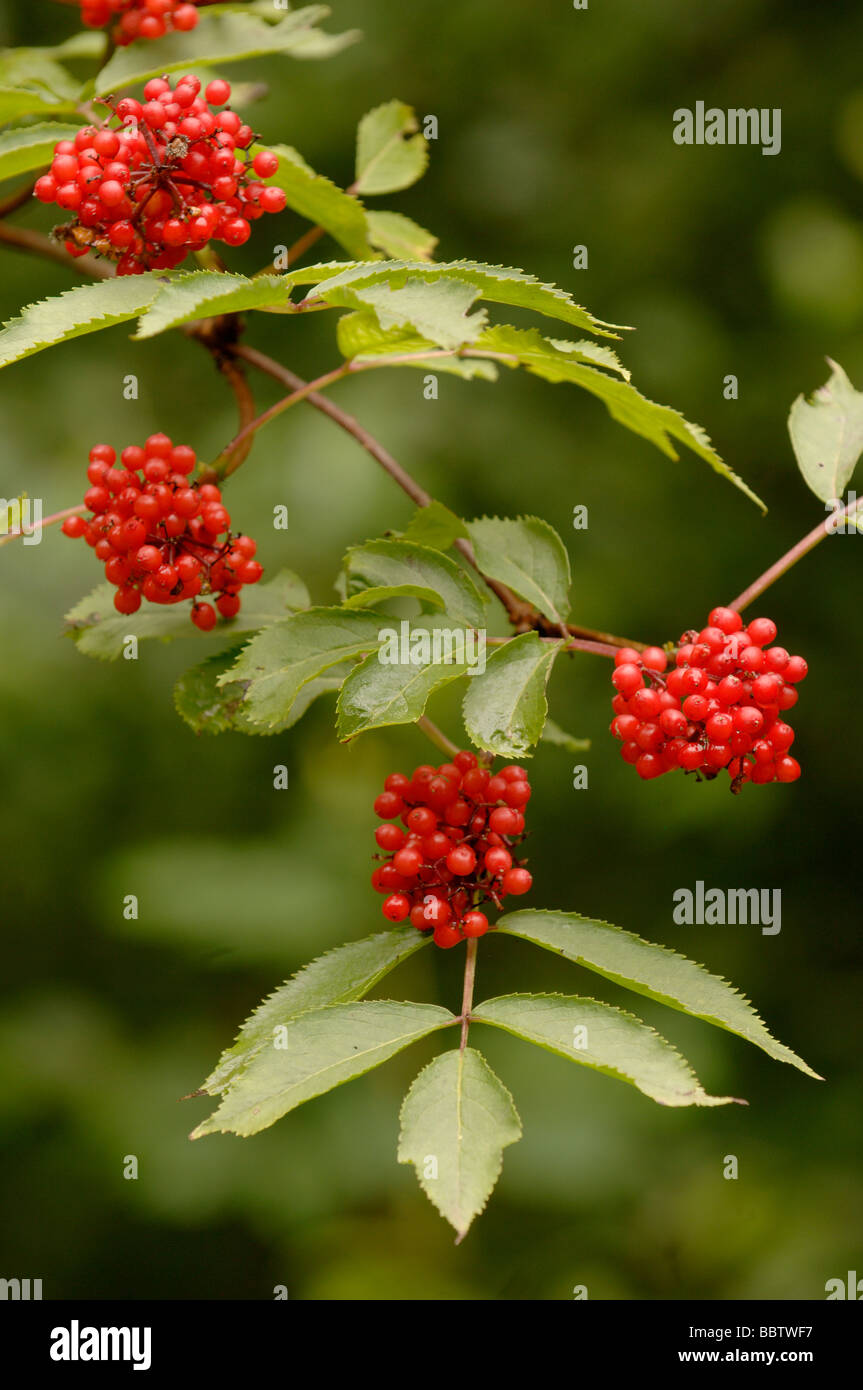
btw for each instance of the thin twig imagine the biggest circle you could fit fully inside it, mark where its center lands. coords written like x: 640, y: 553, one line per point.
x: 467, y: 996
x: 24, y: 239
x: 437, y: 736
x: 45, y: 521
x: 824, y: 528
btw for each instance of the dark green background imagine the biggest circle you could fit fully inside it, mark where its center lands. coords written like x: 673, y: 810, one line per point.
x: 555, y: 130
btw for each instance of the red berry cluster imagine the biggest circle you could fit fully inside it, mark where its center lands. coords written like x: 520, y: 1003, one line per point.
x: 168, y: 177
x: 162, y: 537
x: 462, y: 823
x: 139, y: 19
x: 720, y: 706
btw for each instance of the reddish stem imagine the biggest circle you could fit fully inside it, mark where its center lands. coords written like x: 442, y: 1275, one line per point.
x: 824, y: 528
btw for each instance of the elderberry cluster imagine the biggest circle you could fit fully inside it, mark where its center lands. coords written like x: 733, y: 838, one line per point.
x: 462, y: 824
x: 139, y: 19
x: 162, y: 537
x: 168, y: 177
x: 720, y: 706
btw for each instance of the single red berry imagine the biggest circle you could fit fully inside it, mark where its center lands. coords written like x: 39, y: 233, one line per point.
x: 474, y: 924
x: 461, y: 860
x: 517, y: 881
x: 396, y: 907
x: 204, y: 616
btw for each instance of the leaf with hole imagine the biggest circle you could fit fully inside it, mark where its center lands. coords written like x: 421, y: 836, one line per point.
x: 390, y: 154
x: 827, y: 434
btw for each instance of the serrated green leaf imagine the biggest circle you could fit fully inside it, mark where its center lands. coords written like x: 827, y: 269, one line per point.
x: 100, y: 631
x: 498, y: 284
x: 376, y: 695
x: 456, y: 1120
x: 647, y: 968
x: 279, y: 661
x: 209, y: 708
x: 402, y: 568
x: 361, y: 338
x: 204, y: 293
x: 85, y: 309
x: 557, y: 361
x: 315, y: 197
x: 505, y: 708
x: 218, y: 38
x: 434, y: 525
x: 554, y: 734
x: 599, y: 1036
x: 29, y: 147
x: 390, y: 153
x: 399, y: 236
x: 530, y: 348
x: 528, y: 556
x: 827, y: 434
x: 322, y: 1049
x: 436, y: 312
x: 340, y: 976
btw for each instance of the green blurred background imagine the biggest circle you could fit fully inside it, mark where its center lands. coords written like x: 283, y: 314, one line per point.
x: 554, y: 130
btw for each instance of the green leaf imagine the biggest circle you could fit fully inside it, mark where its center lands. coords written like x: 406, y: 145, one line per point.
x: 361, y: 338
x: 599, y: 1036
x: 558, y: 361
x: 399, y: 236
x: 436, y: 312
x: 553, y: 733
x: 460, y: 1115
x: 390, y: 154
x: 434, y: 525
x: 85, y: 309
x: 205, y: 293
x: 321, y: 1049
x: 381, y: 570
x: 648, y: 969
x: 279, y: 661
x: 100, y: 631
x: 340, y: 976
x: 32, y: 101
x: 376, y: 694
x: 505, y: 708
x: 827, y: 434
x: 529, y: 557
x: 30, y: 147
x: 209, y: 708
x: 38, y: 70
x: 218, y: 38
x: 498, y: 284
x: 313, y: 196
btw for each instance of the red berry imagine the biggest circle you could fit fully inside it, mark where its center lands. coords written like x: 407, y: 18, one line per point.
x: 204, y: 616
x: 396, y: 907
x: 474, y: 924
x: 517, y: 881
